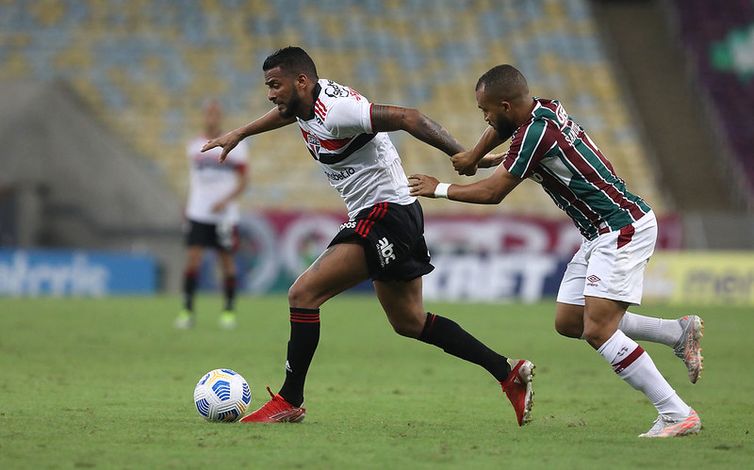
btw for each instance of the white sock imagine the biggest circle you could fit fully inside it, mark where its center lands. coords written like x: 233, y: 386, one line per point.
x: 656, y: 330
x: 634, y: 365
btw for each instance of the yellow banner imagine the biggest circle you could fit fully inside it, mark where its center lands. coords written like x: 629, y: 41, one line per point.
x: 700, y: 278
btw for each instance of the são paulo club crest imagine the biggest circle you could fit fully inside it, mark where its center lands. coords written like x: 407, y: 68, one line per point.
x: 313, y: 142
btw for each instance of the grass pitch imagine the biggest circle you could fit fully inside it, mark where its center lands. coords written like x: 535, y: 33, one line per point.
x: 108, y: 384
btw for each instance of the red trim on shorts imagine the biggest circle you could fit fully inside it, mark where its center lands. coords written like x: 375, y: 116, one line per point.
x: 360, y: 226
x: 628, y: 360
x: 379, y: 215
x: 626, y: 234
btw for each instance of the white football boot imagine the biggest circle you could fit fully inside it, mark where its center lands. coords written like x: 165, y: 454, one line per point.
x: 688, y: 348
x: 666, y: 427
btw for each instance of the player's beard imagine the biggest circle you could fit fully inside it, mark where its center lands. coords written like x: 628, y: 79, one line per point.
x: 292, y: 106
x: 505, y: 128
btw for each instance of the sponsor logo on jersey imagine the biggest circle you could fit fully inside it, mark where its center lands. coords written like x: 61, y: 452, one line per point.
x: 349, y: 224
x: 334, y: 90
x: 561, y: 113
x: 385, y: 249
x: 340, y: 175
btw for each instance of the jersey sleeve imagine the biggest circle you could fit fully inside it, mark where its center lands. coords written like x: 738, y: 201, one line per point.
x: 349, y: 117
x: 528, y: 147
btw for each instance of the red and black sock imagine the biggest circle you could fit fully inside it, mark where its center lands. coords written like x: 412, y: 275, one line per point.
x: 189, y: 289
x: 229, y: 289
x: 454, y: 340
x: 301, y: 347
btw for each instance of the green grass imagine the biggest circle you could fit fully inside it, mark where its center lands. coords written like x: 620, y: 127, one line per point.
x: 108, y: 384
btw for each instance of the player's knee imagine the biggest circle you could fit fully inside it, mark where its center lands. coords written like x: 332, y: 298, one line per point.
x: 409, y: 327
x: 596, y: 334
x: 407, y: 330
x: 193, y: 263
x: 300, y: 296
x: 568, y: 328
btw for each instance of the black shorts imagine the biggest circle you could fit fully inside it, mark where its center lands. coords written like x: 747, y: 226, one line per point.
x: 393, y: 237
x: 222, y: 237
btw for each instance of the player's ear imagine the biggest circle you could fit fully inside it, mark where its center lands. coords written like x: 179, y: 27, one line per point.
x: 301, y: 80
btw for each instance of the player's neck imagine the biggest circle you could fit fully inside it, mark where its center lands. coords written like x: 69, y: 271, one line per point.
x: 526, y: 110
x: 309, y: 107
x: 212, y: 132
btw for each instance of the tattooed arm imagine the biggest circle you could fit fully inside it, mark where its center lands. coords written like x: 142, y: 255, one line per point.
x: 394, y: 118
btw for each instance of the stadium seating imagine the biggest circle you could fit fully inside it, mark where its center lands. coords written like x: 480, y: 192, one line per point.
x: 146, y: 66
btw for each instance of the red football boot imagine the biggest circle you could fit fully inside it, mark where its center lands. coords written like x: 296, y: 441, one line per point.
x: 277, y: 410
x: 518, y: 389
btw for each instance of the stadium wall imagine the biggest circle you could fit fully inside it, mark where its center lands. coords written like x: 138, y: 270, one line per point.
x: 69, y: 182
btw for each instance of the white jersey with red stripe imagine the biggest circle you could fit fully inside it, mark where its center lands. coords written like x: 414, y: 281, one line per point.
x: 363, y: 166
x: 210, y: 181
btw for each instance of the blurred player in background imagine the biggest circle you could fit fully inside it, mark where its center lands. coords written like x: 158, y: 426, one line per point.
x: 619, y: 229
x: 212, y: 214
x: 384, y: 237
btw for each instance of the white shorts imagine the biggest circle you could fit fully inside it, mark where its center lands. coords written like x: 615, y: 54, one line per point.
x: 612, y: 265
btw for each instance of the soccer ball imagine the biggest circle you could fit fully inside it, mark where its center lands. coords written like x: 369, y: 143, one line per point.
x: 222, y: 395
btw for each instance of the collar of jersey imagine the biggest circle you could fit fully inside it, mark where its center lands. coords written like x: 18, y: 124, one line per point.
x: 315, y: 96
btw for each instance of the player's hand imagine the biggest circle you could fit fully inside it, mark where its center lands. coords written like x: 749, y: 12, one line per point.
x: 228, y: 142
x: 464, y: 163
x: 491, y: 159
x: 219, y: 206
x: 422, y: 185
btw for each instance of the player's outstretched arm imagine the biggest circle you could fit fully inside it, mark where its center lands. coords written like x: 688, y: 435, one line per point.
x: 270, y: 121
x: 491, y: 190
x: 387, y: 118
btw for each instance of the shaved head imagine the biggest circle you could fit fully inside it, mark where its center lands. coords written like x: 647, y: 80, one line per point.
x: 503, y: 82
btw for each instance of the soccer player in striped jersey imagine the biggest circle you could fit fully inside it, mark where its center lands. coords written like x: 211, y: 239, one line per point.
x: 383, y: 240
x: 619, y: 231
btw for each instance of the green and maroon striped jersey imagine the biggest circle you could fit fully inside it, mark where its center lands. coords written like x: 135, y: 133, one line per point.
x: 556, y: 152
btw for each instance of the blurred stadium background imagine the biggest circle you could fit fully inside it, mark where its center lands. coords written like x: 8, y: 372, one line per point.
x: 98, y: 98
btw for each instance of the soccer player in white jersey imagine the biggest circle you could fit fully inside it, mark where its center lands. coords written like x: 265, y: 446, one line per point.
x: 383, y: 238
x: 619, y: 229
x: 212, y: 215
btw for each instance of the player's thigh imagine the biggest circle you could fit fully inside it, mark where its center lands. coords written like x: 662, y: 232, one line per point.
x: 569, y: 319
x: 337, y: 269
x: 403, y: 305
